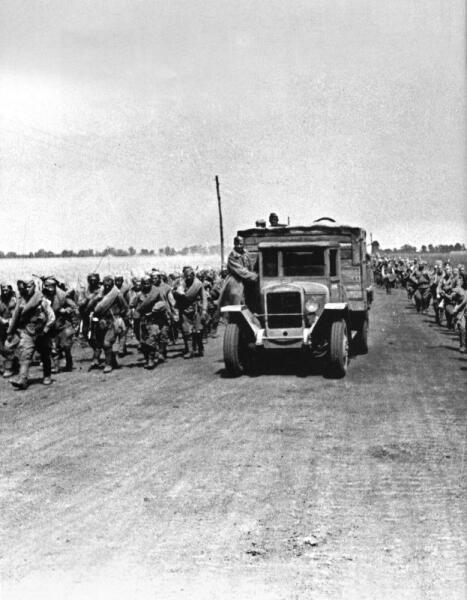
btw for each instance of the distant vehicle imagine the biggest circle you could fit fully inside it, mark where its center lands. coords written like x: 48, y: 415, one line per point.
x: 314, y: 289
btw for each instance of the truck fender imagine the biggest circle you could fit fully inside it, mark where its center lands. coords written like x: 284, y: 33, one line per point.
x: 241, y: 314
x: 336, y: 310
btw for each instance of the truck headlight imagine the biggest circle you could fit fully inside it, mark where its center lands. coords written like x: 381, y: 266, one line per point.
x: 311, y: 307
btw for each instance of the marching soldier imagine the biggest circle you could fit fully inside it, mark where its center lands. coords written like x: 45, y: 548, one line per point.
x: 32, y: 318
x: 151, y: 310
x: 87, y: 297
x: 109, y: 309
x: 132, y: 294
x: 170, y: 316
x: 445, y: 293
x: 192, y: 302
x: 388, y: 274
x: 436, y: 277
x: 422, y: 297
x: 459, y: 297
x: 122, y: 337
x: 7, y: 306
x: 63, y: 330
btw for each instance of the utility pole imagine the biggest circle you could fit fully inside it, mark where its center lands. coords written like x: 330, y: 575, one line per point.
x: 221, y: 226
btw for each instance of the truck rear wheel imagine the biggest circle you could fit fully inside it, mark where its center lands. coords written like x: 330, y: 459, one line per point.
x: 338, y: 349
x: 235, y: 350
x: 361, y: 339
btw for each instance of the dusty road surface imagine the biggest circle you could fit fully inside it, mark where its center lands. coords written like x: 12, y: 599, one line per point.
x: 181, y: 483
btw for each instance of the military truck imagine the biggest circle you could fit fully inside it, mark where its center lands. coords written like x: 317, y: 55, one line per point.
x: 313, y: 295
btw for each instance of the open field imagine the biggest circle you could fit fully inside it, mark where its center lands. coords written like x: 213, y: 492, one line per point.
x: 74, y: 270
x: 184, y: 484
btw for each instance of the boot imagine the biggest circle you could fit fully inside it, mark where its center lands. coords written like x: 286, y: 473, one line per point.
x: 150, y: 364
x: 7, y: 369
x: 109, y: 361
x: 68, y: 361
x: 95, y: 359
x: 21, y: 382
x: 46, y: 369
x: 55, y: 367
x: 198, y: 337
x: 186, y: 352
x: 461, y: 342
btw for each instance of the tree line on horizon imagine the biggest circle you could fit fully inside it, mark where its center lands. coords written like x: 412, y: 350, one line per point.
x: 424, y: 249
x: 207, y: 249
x: 111, y: 251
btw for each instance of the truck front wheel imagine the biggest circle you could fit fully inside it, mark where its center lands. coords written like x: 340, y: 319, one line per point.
x: 235, y: 350
x: 338, y: 349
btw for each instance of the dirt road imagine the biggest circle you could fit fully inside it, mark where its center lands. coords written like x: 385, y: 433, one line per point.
x: 181, y: 483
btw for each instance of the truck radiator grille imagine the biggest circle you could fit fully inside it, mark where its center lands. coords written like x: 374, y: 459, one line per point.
x: 284, y: 310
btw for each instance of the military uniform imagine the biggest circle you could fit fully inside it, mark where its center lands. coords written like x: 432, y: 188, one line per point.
x: 388, y: 274
x: 151, y: 310
x: 445, y: 292
x: 132, y: 295
x: 123, y: 334
x: 108, y: 313
x: 240, y: 276
x: 192, y: 302
x: 33, y: 317
x: 86, y: 300
x: 436, y: 277
x: 7, y: 350
x: 459, y: 297
x: 167, y: 317
x: 63, y: 330
x: 422, y: 295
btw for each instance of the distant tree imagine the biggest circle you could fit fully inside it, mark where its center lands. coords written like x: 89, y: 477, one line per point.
x: 131, y: 251
x: 83, y: 253
x: 144, y: 252
x: 120, y: 252
x: 408, y: 248
x: 431, y: 248
x: 110, y: 250
x: 423, y: 249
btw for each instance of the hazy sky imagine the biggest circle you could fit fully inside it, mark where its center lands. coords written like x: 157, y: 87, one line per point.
x: 116, y: 115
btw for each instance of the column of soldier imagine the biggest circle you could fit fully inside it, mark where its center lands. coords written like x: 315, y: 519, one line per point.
x: 43, y: 318
x: 439, y: 286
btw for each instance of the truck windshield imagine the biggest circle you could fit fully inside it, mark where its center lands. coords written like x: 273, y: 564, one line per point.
x: 270, y: 264
x: 307, y: 262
